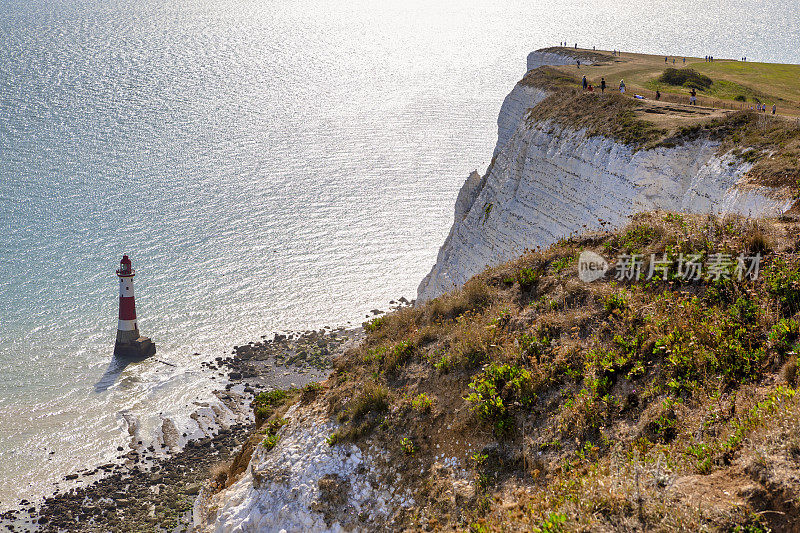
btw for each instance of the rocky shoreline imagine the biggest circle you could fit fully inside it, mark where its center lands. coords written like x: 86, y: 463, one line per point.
x: 149, y: 491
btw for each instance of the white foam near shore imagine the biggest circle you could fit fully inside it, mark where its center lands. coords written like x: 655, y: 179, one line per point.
x: 204, y: 421
x: 157, y: 435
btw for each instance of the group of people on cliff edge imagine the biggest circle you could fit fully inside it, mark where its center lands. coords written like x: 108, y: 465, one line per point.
x: 589, y: 87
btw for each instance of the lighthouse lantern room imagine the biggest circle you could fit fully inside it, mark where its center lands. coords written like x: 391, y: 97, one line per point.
x: 129, y: 342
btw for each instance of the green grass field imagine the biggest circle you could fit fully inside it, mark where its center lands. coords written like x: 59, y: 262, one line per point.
x: 775, y: 81
x: 754, y: 82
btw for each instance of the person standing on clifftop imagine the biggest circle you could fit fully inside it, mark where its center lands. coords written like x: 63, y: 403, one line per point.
x: 602, y: 85
x: 585, y: 83
x: 622, y: 86
x: 774, y: 108
x: 579, y: 63
x: 658, y: 94
x: 693, y: 97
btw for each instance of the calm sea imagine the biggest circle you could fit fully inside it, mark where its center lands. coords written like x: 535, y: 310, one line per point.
x: 267, y: 165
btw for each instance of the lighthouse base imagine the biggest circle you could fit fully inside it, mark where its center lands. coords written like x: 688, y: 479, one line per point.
x: 139, y: 348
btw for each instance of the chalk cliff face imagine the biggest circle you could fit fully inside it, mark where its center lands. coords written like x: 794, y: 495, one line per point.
x: 547, y: 181
x: 538, y: 59
x: 305, y: 484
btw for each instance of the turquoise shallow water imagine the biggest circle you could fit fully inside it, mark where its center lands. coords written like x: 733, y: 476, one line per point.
x: 267, y: 166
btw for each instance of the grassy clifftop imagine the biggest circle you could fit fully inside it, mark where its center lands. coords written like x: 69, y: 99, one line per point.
x: 735, y: 84
x: 613, y: 405
x: 772, y: 144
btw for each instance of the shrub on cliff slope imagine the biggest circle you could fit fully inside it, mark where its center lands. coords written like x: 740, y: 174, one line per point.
x: 617, y: 404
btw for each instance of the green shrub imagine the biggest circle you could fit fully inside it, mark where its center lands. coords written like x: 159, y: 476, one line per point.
x: 560, y: 264
x: 636, y: 238
x: 272, y: 433
x: 442, y: 364
x: 264, y: 404
x: 478, y: 527
x: 398, y: 356
x: 664, y: 426
x: 273, y: 398
x: 526, y: 277
x: 744, y: 310
x: 676, y: 219
x: 270, y: 441
x: 479, y: 458
x: 702, y: 454
x: 616, y: 301
x: 686, y: 77
x: 407, y: 445
x: 375, y: 354
x: 374, y: 325
x: 784, y: 334
x: 535, y: 345
x: 496, y: 389
x: 553, y: 523
x: 276, y: 424
x: 422, y: 403
x: 783, y: 282
x: 700, y: 342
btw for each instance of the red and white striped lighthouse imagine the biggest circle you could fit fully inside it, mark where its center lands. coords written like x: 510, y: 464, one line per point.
x: 129, y: 342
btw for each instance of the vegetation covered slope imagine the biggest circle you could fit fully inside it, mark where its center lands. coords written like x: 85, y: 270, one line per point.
x: 655, y: 405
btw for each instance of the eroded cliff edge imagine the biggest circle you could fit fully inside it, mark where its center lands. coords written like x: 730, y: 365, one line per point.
x: 550, y: 178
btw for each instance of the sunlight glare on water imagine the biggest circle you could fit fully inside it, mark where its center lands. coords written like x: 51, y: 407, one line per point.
x: 267, y: 166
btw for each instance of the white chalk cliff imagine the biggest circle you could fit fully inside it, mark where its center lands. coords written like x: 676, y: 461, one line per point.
x: 305, y: 484
x: 547, y: 181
